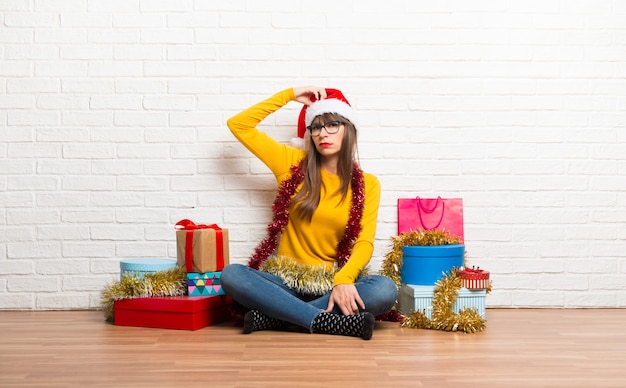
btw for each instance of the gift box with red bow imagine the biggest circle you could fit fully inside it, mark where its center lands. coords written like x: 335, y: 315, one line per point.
x: 474, y: 278
x: 201, y: 248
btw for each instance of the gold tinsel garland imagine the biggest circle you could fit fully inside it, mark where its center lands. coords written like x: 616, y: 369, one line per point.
x: 172, y: 282
x: 446, y: 291
x: 306, y: 279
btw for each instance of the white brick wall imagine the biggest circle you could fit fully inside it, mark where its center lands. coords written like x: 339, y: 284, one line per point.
x: 112, y: 128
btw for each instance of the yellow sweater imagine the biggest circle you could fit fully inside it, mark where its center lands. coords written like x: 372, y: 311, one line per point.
x: 311, y: 243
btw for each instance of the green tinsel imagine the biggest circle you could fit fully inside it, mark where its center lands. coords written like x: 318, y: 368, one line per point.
x: 446, y: 289
x: 172, y: 282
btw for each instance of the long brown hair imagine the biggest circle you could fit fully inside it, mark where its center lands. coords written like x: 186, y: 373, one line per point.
x: 308, y: 198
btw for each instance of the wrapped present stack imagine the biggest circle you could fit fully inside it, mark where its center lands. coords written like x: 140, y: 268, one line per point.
x: 427, y: 265
x: 456, y: 302
x: 471, y: 294
x: 202, y: 250
x: 202, y: 253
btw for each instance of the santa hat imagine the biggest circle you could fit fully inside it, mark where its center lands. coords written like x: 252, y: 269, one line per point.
x: 334, y: 102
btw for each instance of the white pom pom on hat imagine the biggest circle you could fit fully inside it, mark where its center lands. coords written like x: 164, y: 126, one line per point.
x: 335, y: 102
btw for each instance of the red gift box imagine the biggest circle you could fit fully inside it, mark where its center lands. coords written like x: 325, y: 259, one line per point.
x: 474, y: 279
x: 173, y: 312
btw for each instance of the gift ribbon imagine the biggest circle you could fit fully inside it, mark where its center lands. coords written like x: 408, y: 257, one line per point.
x: 191, y: 227
x: 473, y: 273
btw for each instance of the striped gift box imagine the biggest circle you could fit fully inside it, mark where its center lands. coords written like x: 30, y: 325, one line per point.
x: 474, y: 278
x: 420, y: 298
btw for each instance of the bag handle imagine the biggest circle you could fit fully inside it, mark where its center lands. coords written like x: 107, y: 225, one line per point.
x: 419, y: 202
x: 421, y: 207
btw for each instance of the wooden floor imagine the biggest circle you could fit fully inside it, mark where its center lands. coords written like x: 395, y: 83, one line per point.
x: 520, y: 348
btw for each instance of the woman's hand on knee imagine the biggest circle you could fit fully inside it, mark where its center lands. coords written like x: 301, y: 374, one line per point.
x: 346, y: 298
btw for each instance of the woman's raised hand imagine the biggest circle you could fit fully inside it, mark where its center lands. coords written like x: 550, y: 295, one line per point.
x: 304, y: 93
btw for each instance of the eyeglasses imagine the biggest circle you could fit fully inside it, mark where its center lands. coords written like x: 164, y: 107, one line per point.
x: 331, y: 128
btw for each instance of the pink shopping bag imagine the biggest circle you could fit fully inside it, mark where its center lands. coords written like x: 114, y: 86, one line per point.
x: 431, y: 213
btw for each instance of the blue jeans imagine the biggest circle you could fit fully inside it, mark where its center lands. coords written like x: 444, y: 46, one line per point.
x: 266, y: 293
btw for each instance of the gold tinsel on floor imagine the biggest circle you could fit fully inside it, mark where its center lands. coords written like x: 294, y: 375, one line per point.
x: 172, y: 282
x: 446, y: 291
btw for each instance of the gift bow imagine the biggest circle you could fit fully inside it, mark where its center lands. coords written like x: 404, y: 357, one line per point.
x: 474, y: 274
x: 473, y: 270
x: 190, y: 227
